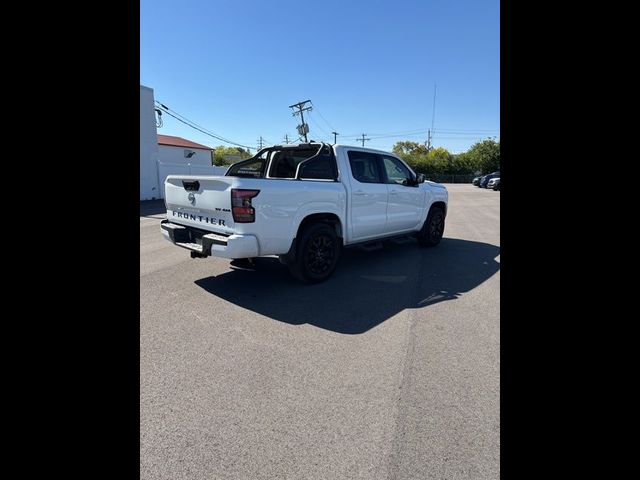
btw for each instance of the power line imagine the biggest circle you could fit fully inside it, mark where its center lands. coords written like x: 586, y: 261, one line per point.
x: 364, y: 139
x: 425, y: 132
x: 398, y: 135
x: 182, y: 117
x: 412, y: 133
x: 326, y: 136
x: 207, y: 133
x: 463, y: 138
x: 380, y: 135
x: 421, y: 130
x: 448, y: 131
x: 318, y: 125
x: 195, y: 126
x: 321, y: 116
x: 461, y: 134
x: 468, y: 131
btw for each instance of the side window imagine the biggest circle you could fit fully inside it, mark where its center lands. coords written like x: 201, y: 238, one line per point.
x: 397, y: 172
x: 364, y: 167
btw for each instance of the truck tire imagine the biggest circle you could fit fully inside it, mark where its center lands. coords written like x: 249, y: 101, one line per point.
x: 433, y: 228
x: 317, y: 254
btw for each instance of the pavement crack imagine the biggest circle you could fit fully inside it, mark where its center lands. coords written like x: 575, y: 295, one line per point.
x: 407, y: 362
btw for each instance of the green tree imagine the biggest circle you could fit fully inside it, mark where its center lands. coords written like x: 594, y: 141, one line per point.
x: 462, y: 164
x: 439, y: 160
x: 409, y: 148
x: 414, y: 153
x: 485, y: 155
x: 232, y: 154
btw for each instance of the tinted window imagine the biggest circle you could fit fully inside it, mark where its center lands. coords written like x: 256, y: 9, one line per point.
x: 285, y: 162
x: 322, y: 167
x: 396, y: 171
x: 364, y: 167
x: 249, y: 168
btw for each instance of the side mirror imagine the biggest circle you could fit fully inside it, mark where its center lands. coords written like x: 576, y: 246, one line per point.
x: 420, y: 178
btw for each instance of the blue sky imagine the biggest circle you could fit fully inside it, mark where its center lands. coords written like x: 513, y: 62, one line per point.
x: 234, y: 67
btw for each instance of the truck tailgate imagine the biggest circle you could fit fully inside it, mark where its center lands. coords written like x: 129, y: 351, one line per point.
x: 200, y: 202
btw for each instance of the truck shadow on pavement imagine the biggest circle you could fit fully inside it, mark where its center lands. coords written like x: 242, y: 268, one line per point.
x: 366, y: 289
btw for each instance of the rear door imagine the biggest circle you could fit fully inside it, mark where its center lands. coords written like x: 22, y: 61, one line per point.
x: 200, y: 202
x: 368, y: 196
x: 406, y: 201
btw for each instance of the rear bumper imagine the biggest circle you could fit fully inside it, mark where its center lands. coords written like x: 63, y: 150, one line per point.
x: 205, y: 243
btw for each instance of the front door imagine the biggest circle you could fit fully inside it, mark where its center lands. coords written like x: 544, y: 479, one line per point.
x: 406, y: 201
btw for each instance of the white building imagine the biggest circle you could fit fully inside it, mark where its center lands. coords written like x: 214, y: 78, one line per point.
x: 149, y: 180
x: 162, y: 155
x: 182, y: 151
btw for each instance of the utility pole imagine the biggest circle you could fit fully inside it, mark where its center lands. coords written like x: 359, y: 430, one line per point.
x: 433, y: 118
x: 286, y: 138
x: 303, y: 128
x: 260, y: 143
x: 335, y: 136
x: 364, y: 139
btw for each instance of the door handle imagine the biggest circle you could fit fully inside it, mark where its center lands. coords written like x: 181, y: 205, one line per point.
x: 359, y: 192
x: 393, y: 192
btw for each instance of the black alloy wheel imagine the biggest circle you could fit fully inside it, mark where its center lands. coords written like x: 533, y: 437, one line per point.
x: 320, y: 254
x: 433, y: 228
x: 317, y: 253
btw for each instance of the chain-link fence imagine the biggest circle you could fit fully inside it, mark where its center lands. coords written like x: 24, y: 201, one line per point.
x: 446, y: 178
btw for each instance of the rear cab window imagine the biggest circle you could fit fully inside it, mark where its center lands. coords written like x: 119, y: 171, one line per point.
x: 251, y: 168
x: 309, y: 162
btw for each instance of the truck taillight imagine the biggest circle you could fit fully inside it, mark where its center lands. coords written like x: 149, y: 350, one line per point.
x: 243, y: 211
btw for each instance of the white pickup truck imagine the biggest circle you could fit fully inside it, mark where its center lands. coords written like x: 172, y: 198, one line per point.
x: 303, y: 202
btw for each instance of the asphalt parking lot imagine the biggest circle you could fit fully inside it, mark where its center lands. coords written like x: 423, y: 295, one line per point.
x: 389, y: 370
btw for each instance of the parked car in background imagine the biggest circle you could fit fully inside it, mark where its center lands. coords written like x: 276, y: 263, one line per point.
x: 493, y: 183
x: 496, y: 186
x: 486, y: 178
x: 476, y: 181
